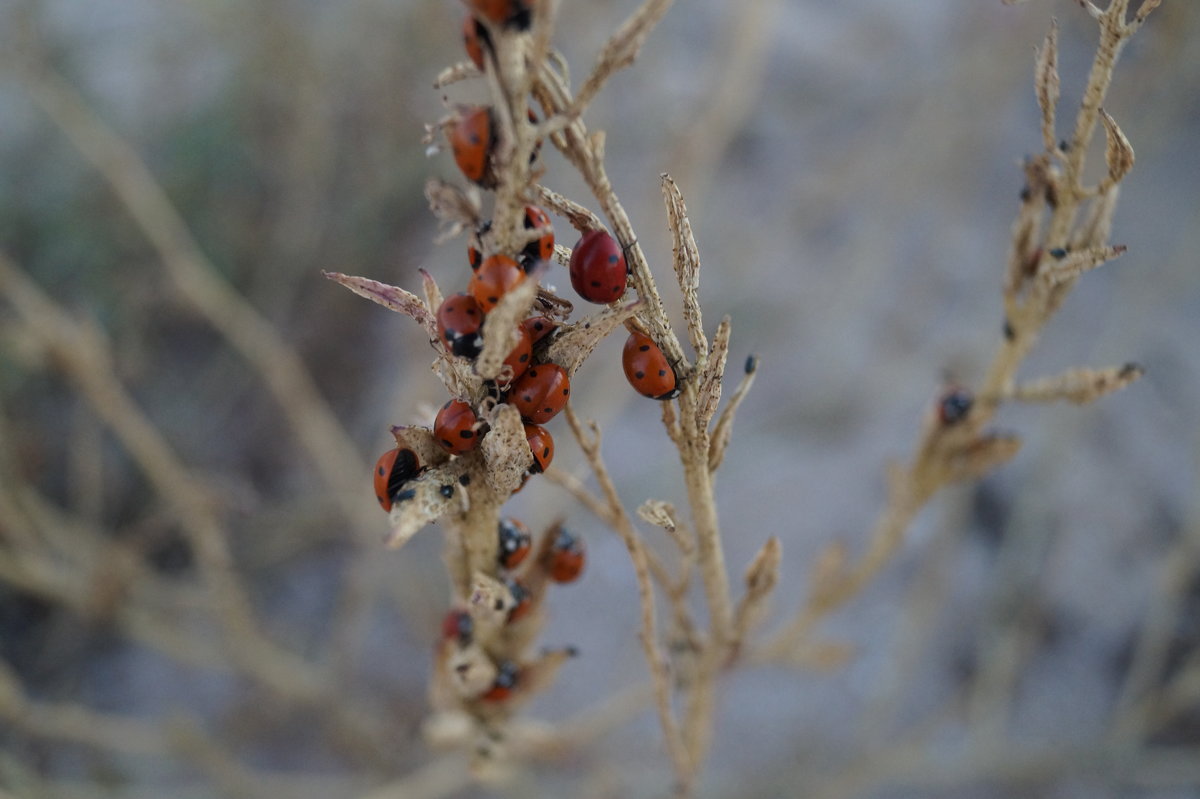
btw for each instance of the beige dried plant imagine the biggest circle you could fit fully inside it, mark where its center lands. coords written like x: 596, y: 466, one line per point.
x: 1061, y: 232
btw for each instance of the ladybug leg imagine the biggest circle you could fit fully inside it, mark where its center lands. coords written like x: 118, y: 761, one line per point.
x: 625, y: 248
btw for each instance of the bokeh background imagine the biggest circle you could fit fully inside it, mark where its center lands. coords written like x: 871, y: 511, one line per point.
x: 852, y: 170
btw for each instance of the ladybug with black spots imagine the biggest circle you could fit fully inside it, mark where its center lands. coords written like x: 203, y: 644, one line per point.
x: 475, y: 38
x: 472, y: 138
x: 541, y: 248
x: 597, y: 267
x: 459, y: 319
x: 514, y: 13
x: 563, y: 555
x: 393, y: 469
x: 541, y: 444
x: 541, y: 392
x: 647, y: 369
x: 495, y: 277
x: 458, y: 625
x: 457, y: 428
x: 515, y: 542
x: 508, y: 674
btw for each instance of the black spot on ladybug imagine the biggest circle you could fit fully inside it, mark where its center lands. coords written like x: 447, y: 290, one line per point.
x: 466, y: 434
x: 612, y: 259
x: 546, y: 452
x: 644, y: 348
x: 596, y: 284
x: 639, y: 375
x: 527, y: 398
x: 524, y: 357
x: 380, y: 471
x: 566, y: 392
x: 662, y: 372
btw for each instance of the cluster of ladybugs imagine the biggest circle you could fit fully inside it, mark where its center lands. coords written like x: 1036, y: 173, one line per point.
x: 560, y: 560
x: 535, y: 386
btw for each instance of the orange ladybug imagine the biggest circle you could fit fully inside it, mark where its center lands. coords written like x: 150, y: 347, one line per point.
x: 541, y: 392
x: 495, y: 277
x: 647, y: 369
x: 471, y: 140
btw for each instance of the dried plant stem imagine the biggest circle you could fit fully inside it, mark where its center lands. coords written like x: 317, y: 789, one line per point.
x: 589, y: 443
x: 316, y: 427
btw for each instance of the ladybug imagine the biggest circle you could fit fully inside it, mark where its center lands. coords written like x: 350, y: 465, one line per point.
x: 597, y: 267
x: 522, y: 599
x: 563, y: 555
x: 472, y: 139
x: 393, y: 469
x: 954, y: 405
x: 508, y: 674
x: 516, y: 13
x: 520, y: 356
x: 457, y: 427
x: 495, y: 277
x: 459, y: 625
x: 541, y: 392
x: 475, y: 37
x: 459, y: 319
x: 539, y: 327
x: 541, y: 444
x: 474, y: 256
x: 541, y: 248
x: 647, y: 369
x: 515, y: 542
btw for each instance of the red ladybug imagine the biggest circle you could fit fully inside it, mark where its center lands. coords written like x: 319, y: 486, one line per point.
x: 457, y: 427
x: 541, y: 392
x: 508, y: 674
x: 393, y: 469
x: 521, y: 354
x: 504, y: 12
x: 515, y: 542
x: 541, y: 248
x: 471, y: 140
x: 458, y: 624
x: 954, y: 405
x: 522, y: 599
x: 474, y: 246
x: 597, y: 267
x: 475, y: 36
x: 647, y: 369
x: 459, y: 319
x: 541, y: 444
x: 539, y: 327
x: 495, y: 277
x: 563, y: 556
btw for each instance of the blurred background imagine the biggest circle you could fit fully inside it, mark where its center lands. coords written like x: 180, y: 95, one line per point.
x: 188, y: 409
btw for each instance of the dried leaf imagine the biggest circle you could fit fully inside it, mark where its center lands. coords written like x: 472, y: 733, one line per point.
x: 984, y: 454
x: 581, y: 218
x: 458, y: 210
x: 1047, y: 84
x: 505, y: 450
x: 1118, y: 153
x: 455, y: 73
x: 659, y: 513
x: 433, y: 294
x: 422, y: 442
x: 1079, y: 386
x: 723, y: 430
x: 1096, y: 227
x: 391, y: 297
x: 423, y: 500
x: 761, y: 578
x: 500, y: 328
x: 708, y: 385
x: 574, y: 343
x: 1061, y: 266
x: 1144, y: 10
x: 687, y: 265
